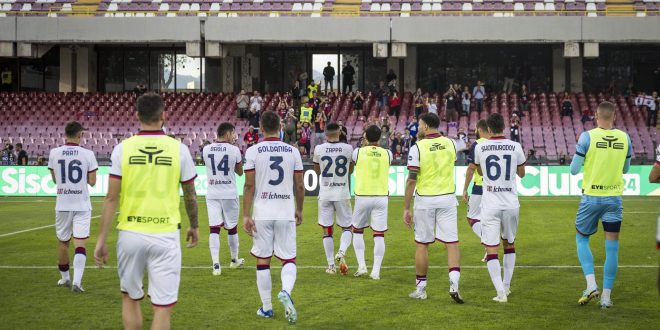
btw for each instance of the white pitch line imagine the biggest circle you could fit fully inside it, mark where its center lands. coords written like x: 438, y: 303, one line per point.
x: 384, y: 267
x: 36, y: 228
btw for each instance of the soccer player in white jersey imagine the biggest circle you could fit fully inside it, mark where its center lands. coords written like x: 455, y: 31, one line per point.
x: 654, y: 177
x: 474, y: 199
x: 332, y: 162
x: 274, y: 187
x: 499, y: 160
x: 223, y: 161
x: 72, y: 169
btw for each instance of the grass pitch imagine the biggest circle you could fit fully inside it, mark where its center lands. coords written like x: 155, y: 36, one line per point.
x: 546, y: 285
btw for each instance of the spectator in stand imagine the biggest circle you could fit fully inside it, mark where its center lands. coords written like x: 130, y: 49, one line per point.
x: 296, y: 94
x: 242, y: 104
x: 312, y: 89
x: 255, y: 102
x: 22, y: 156
x: 306, y: 138
x: 6, y: 80
x: 395, y: 140
x: 639, y: 100
x: 343, y: 132
x: 566, y: 107
x: 524, y: 99
x: 290, y: 125
x: 418, y: 99
x: 413, y: 127
x: 319, y: 128
x: 282, y: 107
x: 348, y: 73
x: 253, y: 118
x: 302, y: 77
x: 587, y: 115
x: 41, y: 161
x: 406, y: 141
x: 358, y: 102
x: 384, y: 121
x: 509, y: 75
x: 328, y: 77
x: 479, y: 94
x: 384, y: 137
x: 382, y: 94
x: 139, y: 90
x: 8, y: 157
x: 462, y: 144
x: 431, y: 105
x: 391, y: 81
x: 398, y: 154
x: 326, y: 107
x: 515, y: 128
x: 531, y: 157
x: 395, y: 104
x: 251, y: 137
x: 652, y: 109
x: 465, y: 101
x: 450, y: 106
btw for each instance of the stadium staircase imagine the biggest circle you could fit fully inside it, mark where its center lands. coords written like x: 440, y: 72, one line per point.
x: 345, y: 8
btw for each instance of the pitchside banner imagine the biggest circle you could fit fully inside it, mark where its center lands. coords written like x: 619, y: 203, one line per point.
x: 539, y: 181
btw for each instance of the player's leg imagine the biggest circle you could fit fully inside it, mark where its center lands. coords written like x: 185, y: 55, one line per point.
x: 81, y: 223
x: 214, y: 211
x: 360, y: 221
x: 474, y: 214
x: 326, y: 214
x: 262, y: 249
x: 64, y: 231
x: 445, y: 221
x: 612, y: 226
x: 164, y: 273
x: 285, y: 250
x: 586, y: 224
x: 343, y: 214
x: 131, y: 262
x: 509, y: 230
x: 379, y: 227
x: 423, y: 237
x: 231, y: 209
x: 490, y: 238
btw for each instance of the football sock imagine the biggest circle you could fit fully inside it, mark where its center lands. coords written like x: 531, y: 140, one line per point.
x: 509, y: 265
x: 454, y: 277
x: 328, y: 246
x: 232, y: 238
x: 586, y: 258
x: 64, y: 271
x: 265, y: 286
x: 495, y: 272
x: 611, y: 263
x: 345, y: 240
x: 358, y: 245
x: 79, y: 259
x: 214, y: 244
x: 289, y: 270
x: 379, y: 252
x: 476, y: 226
x: 421, y: 282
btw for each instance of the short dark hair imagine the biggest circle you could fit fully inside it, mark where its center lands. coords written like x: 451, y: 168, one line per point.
x: 495, y: 123
x: 481, y: 124
x: 373, y: 133
x: 270, y: 122
x: 149, y: 107
x: 73, y: 128
x: 224, y: 128
x: 332, y: 127
x: 430, y: 119
x: 19, y: 145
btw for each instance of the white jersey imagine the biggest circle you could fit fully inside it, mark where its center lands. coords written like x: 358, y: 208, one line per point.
x: 71, y: 163
x: 657, y: 156
x: 221, y: 159
x: 274, y: 163
x: 334, y: 159
x: 499, y: 159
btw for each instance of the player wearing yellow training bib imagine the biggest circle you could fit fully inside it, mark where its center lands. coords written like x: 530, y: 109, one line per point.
x: 605, y: 152
x: 372, y: 168
x: 471, y: 175
x: 431, y: 165
x: 146, y: 173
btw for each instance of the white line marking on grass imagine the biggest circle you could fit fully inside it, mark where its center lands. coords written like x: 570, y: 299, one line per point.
x: 384, y: 267
x: 36, y: 228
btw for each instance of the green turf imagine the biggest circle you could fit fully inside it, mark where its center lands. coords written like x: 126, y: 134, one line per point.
x: 542, y: 297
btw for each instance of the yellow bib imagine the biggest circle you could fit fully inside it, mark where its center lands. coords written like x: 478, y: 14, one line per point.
x: 604, y: 161
x: 436, y: 167
x: 372, y: 171
x: 151, y: 174
x: 306, y: 115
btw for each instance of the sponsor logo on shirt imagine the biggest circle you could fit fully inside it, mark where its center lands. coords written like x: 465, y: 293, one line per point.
x: 150, y: 157
x: 609, y: 142
x: 498, y: 189
x: 62, y: 191
x: 216, y: 181
x: 147, y: 219
x: 437, y: 147
x: 334, y: 184
x: 271, y: 195
x: 605, y: 187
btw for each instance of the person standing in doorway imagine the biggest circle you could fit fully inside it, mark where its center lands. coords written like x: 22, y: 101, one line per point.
x: 328, y: 77
x: 348, y: 81
x: 6, y: 79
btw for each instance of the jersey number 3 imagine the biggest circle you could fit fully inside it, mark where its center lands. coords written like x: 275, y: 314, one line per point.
x: 276, y: 165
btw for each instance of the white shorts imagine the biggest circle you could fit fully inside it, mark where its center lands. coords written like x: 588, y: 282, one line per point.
x: 160, y: 255
x: 374, y: 208
x: 223, y: 212
x: 74, y: 223
x: 474, y: 207
x: 498, y: 223
x: 274, y: 236
x: 328, y: 209
x: 440, y: 224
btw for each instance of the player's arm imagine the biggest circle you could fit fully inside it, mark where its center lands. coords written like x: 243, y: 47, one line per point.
x: 522, y: 161
x: 51, y: 163
x: 190, y: 201
x: 580, y: 152
x: 91, y: 174
x: 316, y: 160
x: 110, y: 205
x: 521, y: 170
x: 299, y: 193
x: 248, y: 199
x: 91, y: 178
x: 626, y: 164
x: 52, y: 175
x: 238, y: 169
x: 411, y: 182
x: 469, y: 173
x: 654, y: 176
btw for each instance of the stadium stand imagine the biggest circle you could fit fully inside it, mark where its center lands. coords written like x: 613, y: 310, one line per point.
x: 36, y: 119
